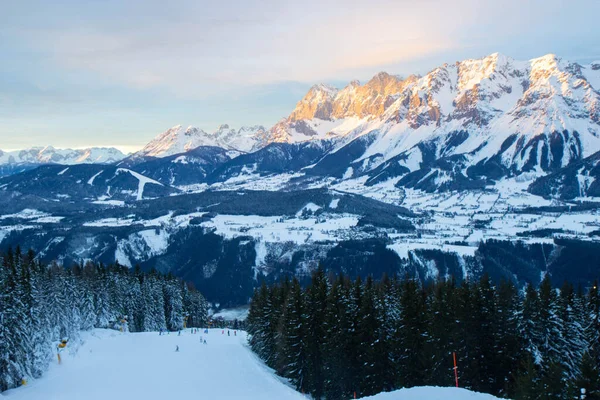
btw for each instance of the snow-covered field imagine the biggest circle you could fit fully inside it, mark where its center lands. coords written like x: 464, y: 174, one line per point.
x: 114, y: 365
x: 230, y: 314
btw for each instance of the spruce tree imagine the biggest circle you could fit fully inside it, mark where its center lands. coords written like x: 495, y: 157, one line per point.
x: 295, y: 348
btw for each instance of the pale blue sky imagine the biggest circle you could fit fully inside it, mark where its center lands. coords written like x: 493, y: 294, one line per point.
x: 77, y: 73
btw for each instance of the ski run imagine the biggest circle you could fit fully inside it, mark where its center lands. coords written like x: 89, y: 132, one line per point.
x: 112, y: 365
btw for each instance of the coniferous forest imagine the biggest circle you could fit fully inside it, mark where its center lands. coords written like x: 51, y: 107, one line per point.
x: 338, y: 337
x: 41, y: 305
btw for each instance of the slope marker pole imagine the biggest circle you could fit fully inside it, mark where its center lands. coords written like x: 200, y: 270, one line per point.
x: 455, y: 369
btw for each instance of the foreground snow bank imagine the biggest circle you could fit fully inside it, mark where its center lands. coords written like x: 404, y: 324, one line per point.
x: 432, y: 393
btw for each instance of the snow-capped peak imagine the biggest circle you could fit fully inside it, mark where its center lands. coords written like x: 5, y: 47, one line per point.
x: 176, y: 140
x: 179, y: 140
x: 52, y: 155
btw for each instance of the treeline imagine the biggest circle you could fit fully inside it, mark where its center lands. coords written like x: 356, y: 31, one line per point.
x: 40, y: 305
x: 339, y: 337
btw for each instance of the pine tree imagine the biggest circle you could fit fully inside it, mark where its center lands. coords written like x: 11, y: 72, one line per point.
x: 529, y: 330
x: 528, y: 384
x: 552, y: 342
x: 571, y: 332
x: 508, y: 344
x: 441, y: 335
x: 314, y: 316
x: 337, y: 342
x: 413, y: 332
x: 41, y: 305
x: 588, y: 377
x: 295, y: 350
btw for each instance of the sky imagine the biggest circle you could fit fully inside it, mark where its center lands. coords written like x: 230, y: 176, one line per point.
x: 78, y: 73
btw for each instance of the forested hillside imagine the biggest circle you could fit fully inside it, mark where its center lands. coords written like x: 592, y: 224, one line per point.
x: 339, y: 337
x: 41, y: 305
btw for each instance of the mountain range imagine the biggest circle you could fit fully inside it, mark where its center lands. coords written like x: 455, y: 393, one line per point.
x: 480, y: 166
x: 489, y: 118
x: 466, y: 123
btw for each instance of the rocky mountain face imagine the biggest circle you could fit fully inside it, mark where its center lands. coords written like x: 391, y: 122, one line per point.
x: 460, y: 126
x: 516, y: 116
x: 577, y: 180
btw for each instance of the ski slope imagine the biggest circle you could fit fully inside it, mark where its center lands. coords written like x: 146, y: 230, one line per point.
x: 110, y: 365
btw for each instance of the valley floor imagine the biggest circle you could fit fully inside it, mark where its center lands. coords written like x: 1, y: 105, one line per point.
x: 114, y: 365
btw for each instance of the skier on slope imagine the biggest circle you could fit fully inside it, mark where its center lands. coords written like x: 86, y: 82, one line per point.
x: 176, y: 348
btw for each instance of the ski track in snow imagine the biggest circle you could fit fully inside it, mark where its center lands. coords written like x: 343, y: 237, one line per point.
x: 142, y: 181
x: 91, y: 181
x: 114, y: 365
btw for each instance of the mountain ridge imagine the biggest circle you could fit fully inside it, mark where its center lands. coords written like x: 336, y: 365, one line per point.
x: 50, y: 154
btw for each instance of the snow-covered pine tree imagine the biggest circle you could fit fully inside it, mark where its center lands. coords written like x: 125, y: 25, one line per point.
x: 294, y: 350
x: 316, y: 300
x: 413, y: 367
x: 442, y: 333
x: 508, y: 346
x: 339, y: 380
x: 572, y: 338
x: 552, y: 341
x: 373, y: 349
x: 529, y: 330
x: 40, y: 305
x: 173, y: 304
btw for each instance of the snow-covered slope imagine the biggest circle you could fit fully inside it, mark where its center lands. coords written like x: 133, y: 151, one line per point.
x: 84, y: 183
x: 146, y: 366
x: 178, y: 140
x: 50, y: 155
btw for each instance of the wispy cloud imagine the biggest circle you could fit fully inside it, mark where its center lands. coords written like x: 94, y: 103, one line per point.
x: 74, y: 71
x: 215, y: 47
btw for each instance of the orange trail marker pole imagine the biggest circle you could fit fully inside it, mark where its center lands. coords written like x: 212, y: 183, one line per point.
x: 455, y: 369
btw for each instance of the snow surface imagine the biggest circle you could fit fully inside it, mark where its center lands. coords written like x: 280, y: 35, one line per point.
x: 277, y: 229
x: 114, y: 365
x: 229, y: 314
x: 178, y: 140
x: 26, y: 213
x: 91, y: 180
x: 121, y: 366
x: 432, y: 393
x: 143, y: 180
x: 49, y: 154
